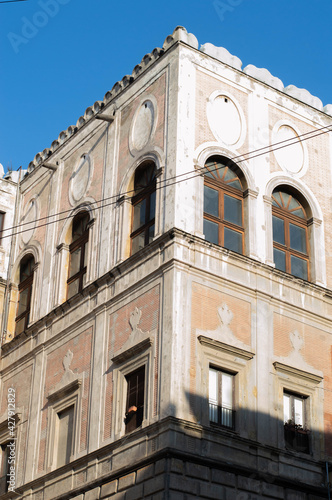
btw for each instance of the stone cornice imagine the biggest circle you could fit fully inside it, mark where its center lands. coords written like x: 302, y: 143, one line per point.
x: 227, y: 348
x: 132, y: 351
x: 295, y: 372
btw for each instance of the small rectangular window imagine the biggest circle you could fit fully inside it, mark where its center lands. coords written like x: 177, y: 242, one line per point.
x: 221, y: 395
x: 135, y: 399
x: 2, y: 219
x: 295, y: 424
x: 4, y: 468
x: 65, y: 435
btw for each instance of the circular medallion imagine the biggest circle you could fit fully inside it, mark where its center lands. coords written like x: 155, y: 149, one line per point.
x: 81, y: 177
x: 291, y: 157
x: 28, y: 221
x: 142, y: 125
x: 225, y: 119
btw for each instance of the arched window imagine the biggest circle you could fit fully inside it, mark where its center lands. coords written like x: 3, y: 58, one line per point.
x: 25, y: 290
x: 290, y: 234
x: 78, y: 250
x: 144, y: 206
x: 223, y: 204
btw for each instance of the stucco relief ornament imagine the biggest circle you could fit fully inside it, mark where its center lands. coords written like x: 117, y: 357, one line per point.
x: 226, y: 316
x: 68, y: 375
x: 297, y: 343
x: 135, y: 318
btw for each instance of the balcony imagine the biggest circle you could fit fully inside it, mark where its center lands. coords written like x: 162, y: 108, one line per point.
x: 296, y: 438
x: 222, y: 416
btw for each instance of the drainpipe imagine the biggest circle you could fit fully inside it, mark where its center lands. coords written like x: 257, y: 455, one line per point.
x: 10, y: 261
x: 328, y: 481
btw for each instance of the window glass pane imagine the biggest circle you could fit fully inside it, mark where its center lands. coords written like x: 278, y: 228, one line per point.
x: 293, y: 204
x: 299, y: 267
x: 26, y: 268
x: 230, y: 175
x: 75, y: 262
x: 213, y: 386
x: 277, y: 201
x: 138, y: 242
x: 233, y: 210
x: 23, y: 301
x: 139, y: 214
x: 213, y: 395
x: 20, y: 325
x: 287, y: 413
x: 211, y: 231
x: 73, y: 288
x: 152, y: 205
x: 227, y: 390
x: 85, y: 254
x: 279, y: 259
x: 297, y: 236
x: 211, y: 201
x: 235, y: 184
x: 299, y: 213
x: 285, y: 198
x: 80, y: 224
x: 233, y: 240
x: 151, y: 233
x: 65, y: 435
x: 298, y: 411
x: 278, y: 230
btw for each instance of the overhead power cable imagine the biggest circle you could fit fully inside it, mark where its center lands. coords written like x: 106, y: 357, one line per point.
x: 11, y: 1
x: 166, y: 182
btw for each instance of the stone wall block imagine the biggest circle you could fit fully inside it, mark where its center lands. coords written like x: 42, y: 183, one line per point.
x: 222, y: 477
x: 109, y: 489
x: 135, y: 493
x: 92, y: 494
x: 198, y: 471
x: 126, y: 481
x: 145, y: 473
x: 154, y: 485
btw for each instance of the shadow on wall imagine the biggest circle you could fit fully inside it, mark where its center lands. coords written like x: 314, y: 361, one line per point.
x: 269, y: 448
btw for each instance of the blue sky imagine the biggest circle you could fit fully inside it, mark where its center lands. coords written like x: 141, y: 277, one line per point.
x: 59, y: 56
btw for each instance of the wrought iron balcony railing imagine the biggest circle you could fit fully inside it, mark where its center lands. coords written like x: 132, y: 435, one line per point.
x: 222, y: 416
x: 296, y: 438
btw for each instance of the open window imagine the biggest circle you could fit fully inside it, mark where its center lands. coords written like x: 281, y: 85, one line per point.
x: 135, y: 399
x: 295, y: 422
x: 78, y: 251
x: 143, y: 206
x: 223, y: 204
x: 2, y: 219
x: 221, y: 398
x: 25, y: 291
x: 5, y: 467
x: 290, y: 234
x: 65, y: 434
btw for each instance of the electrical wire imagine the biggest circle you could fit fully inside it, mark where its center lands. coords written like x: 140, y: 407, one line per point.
x: 11, y: 1
x: 166, y: 182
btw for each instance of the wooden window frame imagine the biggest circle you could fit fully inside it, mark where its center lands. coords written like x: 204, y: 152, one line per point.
x: 224, y: 189
x: 296, y: 436
x: 26, y: 284
x: 289, y: 218
x: 75, y: 245
x: 145, y: 194
x: 134, y: 413
x: 230, y: 415
x: 2, y: 220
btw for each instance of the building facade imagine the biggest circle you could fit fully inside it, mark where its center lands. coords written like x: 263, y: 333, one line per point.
x: 167, y: 328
